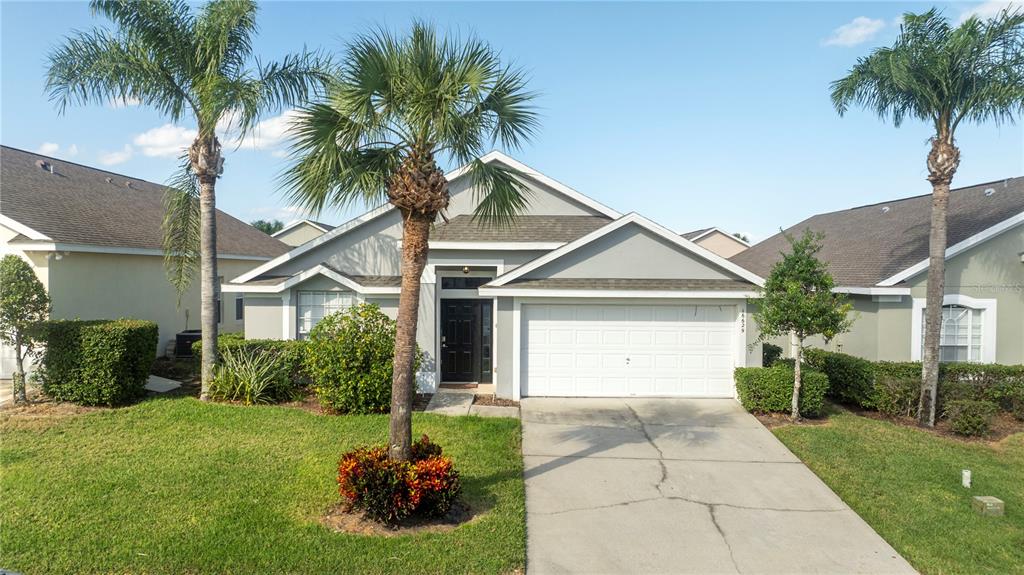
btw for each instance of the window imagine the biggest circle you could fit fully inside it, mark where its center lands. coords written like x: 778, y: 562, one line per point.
x: 463, y: 282
x: 315, y: 305
x: 960, y: 337
x: 239, y: 308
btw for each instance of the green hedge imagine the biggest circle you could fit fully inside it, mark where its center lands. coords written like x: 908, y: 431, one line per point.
x: 289, y: 353
x: 851, y: 379
x: 770, y: 389
x: 98, y: 362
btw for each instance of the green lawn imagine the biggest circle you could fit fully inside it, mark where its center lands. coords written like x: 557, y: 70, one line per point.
x: 905, y: 482
x: 179, y: 486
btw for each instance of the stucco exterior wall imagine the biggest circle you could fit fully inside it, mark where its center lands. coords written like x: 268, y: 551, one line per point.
x: 721, y: 244
x: 107, y: 286
x: 263, y: 317
x: 629, y: 252
x: 300, y: 234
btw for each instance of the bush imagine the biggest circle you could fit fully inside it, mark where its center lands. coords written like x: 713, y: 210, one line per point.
x: 390, y: 491
x: 770, y: 389
x: 250, y: 375
x: 897, y: 395
x: 288, y: 356
x: 972, y: 417
x: 850, y: 379
x: 98, y: 362
x: 349, y: 360
x: 1000, y: 384
x: 770, y: 354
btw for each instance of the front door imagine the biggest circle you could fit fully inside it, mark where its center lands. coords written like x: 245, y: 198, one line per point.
x: 466, y: 340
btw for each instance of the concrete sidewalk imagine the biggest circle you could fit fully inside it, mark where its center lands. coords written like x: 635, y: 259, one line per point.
x: 680, y: 486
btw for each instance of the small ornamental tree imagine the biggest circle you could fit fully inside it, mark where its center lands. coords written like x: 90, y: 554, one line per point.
x: 23, y: 304
x: 797, y: 299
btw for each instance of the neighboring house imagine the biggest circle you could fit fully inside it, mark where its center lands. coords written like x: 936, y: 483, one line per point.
x: 94, y: 240
x: 575, y: 299
x: 302, y: 231
x: 714, y: 239
x: 879, y: 255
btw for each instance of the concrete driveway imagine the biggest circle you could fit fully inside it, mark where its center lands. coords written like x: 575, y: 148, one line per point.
x: 680, y: 486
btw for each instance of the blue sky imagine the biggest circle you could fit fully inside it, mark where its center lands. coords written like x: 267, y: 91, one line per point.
x: 693, y: 114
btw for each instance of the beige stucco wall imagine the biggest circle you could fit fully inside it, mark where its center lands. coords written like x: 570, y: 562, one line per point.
x: 98, y: 286
x: 721, y: 244
x: 300, y: 234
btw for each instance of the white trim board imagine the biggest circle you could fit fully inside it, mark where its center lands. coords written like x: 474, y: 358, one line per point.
x: 631, y: 218
x: 387, y: 208
x: 22, y: 229
x: 988, y: 330
x: 957, y: 248
x: 307, y: 274
x: 83, y: 248
x: 495, y: 246
x: 629, y: 294
x: 871, y: 290
x: 295, y: 224
x: 712, y: 230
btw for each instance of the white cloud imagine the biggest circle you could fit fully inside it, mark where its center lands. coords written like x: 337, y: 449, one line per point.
x: 166, y: 141
x: 54, y: 149
x: 857, y: 31
x: 119, y: 102
x: 268, y: 134
x: 991, y: 9
x: 117, y: 157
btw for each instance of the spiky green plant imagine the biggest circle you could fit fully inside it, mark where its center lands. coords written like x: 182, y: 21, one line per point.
x: 185, y: 64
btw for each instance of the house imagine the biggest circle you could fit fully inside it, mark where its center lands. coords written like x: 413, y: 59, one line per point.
x: 714, y: 239
x: 574, y: 299
x: 301, y: 231
x: 879, y: 255
x: 93, y: 238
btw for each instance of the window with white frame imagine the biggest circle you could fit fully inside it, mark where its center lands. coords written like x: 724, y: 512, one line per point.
x: 313, y: 306
x: 960, y: 336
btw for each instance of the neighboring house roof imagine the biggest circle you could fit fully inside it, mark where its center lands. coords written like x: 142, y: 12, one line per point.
x: 696, y: 233
x: 77, y: 205
x: 363, y: 284
x: 866, y: 245
x: 318, y: 225
x: 464, y: 228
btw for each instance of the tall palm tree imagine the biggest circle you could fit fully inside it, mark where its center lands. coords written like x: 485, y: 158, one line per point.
x: 945, y: 75
x: 184, y: 64
x: 395, y: 107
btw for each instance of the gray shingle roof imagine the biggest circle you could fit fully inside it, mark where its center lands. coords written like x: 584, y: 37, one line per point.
x: 867, y: 244
x: 462, y: 228
x: 77, y: 204
x: 630, y: 284
x: 695, y: 233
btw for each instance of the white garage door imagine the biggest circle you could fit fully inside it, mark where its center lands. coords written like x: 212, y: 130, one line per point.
x: 628, y: 350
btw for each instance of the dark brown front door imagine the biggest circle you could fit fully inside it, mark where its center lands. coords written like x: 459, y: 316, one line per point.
x: 466, y: 340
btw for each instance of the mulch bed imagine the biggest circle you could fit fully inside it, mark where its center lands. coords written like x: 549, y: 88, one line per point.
x: 342, y: 521
x: 493, y: 400
x: 773, y: 420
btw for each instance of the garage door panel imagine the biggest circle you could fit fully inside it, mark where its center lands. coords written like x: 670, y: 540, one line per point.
x: 620, y: 350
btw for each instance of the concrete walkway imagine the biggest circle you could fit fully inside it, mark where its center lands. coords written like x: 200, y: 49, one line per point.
x: 680, y: 486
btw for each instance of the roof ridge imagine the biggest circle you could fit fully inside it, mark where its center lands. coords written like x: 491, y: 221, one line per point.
x: 960, y: 189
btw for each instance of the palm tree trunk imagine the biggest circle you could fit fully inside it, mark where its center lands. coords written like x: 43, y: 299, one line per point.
x: 18, y: 384
x: 208, y: 279
x: 415, y: 241
x: 794, y: 412
x: 943, y: 161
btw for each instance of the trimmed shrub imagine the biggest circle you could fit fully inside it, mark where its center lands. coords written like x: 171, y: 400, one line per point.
x: 770, y: 389
x: 390, y: 491
x: 350, y: 360
x: 972, y: 417
x: 1000, y: 384
x: 250, y: 375
x: 896, y: 395
x: 98, y: 362
x: 770, y: 354
x: 850, y: 379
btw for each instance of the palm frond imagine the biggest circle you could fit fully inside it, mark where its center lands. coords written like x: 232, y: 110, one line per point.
x: 500, y: 193
x: 181, y: 225
x: 224, y: 34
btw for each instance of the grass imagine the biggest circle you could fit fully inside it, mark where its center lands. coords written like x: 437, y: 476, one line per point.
x: 905, y: 483
x: 180, y: 486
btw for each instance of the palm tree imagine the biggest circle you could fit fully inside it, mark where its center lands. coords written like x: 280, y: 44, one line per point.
x: 395, y: 107
x: 185, y: 65
x: 945, y: 75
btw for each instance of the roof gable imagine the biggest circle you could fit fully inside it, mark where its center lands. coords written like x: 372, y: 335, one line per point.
x: 867, y: 245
